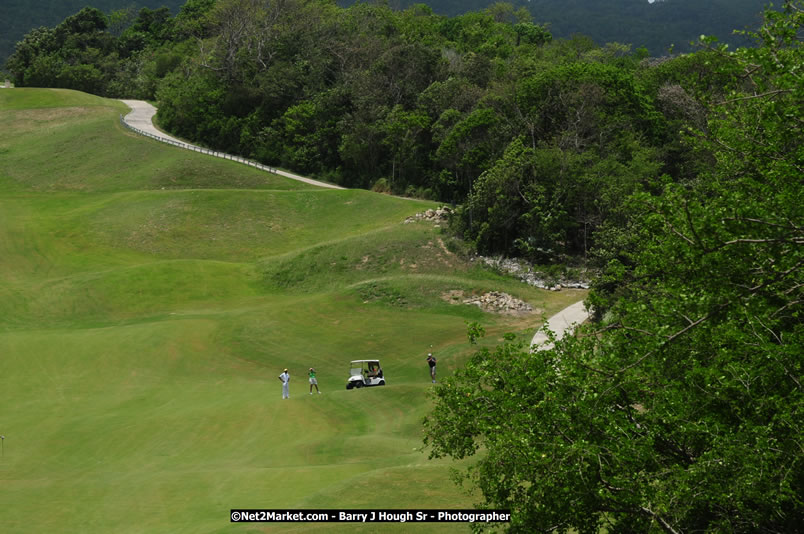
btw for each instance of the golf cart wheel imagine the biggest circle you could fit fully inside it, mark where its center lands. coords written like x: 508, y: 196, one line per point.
x: 381, y: 383
x: 358, y: 385
x: 349, y: 385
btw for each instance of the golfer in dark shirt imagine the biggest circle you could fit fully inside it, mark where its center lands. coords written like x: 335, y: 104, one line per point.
x: 432, y: 361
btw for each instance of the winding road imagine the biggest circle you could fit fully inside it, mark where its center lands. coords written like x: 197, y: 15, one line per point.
x: 141, y: 118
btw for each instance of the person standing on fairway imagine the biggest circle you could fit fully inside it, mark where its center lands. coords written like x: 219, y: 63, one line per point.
x: 432, y: 362
x: 313, y: 381
x: 285, y: 379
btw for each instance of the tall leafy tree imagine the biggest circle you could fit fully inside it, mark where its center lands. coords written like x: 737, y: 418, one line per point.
x: 591, y: 131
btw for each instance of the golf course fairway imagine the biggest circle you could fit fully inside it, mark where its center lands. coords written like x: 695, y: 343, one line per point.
x: 149, y: 299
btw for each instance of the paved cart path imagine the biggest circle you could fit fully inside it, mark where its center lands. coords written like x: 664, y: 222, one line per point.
x: 141, y: 118
x: 562, y: 323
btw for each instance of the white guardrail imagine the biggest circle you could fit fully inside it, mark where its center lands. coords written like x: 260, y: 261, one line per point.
x: 195, y: 148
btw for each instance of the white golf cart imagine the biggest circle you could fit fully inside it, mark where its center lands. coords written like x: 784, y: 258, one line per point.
x: 365, y: 373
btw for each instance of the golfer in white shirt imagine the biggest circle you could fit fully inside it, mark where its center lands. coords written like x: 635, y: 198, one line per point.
x: 285, y: 379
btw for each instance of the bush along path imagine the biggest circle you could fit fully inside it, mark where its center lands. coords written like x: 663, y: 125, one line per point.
x: 140, y: 120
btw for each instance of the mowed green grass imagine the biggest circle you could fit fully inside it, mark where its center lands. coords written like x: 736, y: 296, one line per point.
x: 149, y: 298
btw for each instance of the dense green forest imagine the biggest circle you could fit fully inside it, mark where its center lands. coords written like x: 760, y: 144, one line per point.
x: 680, y: 408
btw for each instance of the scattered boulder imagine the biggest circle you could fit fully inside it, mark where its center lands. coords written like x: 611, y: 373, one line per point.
x: 491, y: 302
x: 439, y: 215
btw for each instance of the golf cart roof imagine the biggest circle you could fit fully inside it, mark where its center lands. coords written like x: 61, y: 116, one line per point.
x: 365, y: 361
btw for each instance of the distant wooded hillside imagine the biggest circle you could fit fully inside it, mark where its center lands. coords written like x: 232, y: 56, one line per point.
x: 18, y: 17
x: 656, y: 26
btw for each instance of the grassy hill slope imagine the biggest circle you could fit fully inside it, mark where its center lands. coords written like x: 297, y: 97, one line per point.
x: 150, y: 296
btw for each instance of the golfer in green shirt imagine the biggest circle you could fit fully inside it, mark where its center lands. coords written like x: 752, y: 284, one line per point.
x: 313, y: 381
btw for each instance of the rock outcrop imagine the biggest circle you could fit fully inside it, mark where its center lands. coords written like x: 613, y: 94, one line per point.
x: 491, y: 302
x: 498, y: 302
x: 438, y: 216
